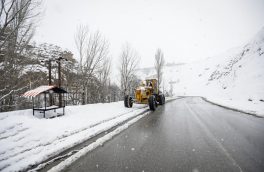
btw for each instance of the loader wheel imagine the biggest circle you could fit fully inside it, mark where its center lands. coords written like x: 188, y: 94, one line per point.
x: 152, y: 103
x: 128, y: 101
x: 162, y: 99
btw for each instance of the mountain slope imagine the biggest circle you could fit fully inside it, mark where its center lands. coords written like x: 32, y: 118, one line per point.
x: 235, y: 78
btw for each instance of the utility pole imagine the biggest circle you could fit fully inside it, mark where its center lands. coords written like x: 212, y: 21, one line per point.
x: 58, y: 60
x: 49, y: 72
x: 59, y: 72
x: 49, y: 68
x: 59, y: 78
x: 50, y: 95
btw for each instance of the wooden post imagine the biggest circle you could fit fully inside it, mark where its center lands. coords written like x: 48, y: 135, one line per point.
x: 45, y: 98
x: 59, y: 80
x: 45, y: 103
x: 49, y: 72
x: 50, y: 95
x: 33, y: 106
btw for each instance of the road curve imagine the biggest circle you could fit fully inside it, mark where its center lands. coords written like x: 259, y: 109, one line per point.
x: 187, y: 134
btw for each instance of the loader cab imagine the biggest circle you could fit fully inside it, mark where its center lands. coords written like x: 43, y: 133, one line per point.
x: 150, y: 84
x: 153, y: 84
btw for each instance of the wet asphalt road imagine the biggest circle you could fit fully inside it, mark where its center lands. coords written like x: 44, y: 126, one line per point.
x: 187, y: 134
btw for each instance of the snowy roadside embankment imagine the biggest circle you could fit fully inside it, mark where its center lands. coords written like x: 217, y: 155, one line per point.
x: 244, y: 106
x: 27, y: 140
x: 238, y: 82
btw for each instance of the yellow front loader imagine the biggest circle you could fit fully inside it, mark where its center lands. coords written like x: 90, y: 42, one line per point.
x: 146, y: 93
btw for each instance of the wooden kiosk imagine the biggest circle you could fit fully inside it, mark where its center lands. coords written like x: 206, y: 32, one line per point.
x: 49, y: 92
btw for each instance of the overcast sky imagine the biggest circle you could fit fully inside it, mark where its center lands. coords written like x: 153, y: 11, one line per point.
x: 186, y: 30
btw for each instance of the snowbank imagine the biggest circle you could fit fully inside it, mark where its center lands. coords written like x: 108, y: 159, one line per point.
x: 240, y: 106
x: 94, y: 145
x: 26, y: 140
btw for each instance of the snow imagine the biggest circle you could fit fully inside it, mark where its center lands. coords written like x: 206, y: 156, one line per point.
x: 92, y: 146
x: 27, y: 140
x: 233, y: 79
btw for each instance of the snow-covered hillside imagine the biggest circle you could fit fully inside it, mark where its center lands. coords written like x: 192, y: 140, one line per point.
x: 234, y: 79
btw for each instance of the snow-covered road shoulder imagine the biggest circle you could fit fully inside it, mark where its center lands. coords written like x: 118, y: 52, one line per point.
x: 26, y: 140
x: 249, y: 107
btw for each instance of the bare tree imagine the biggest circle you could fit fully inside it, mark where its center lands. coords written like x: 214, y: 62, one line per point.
x: 80, y: 42
x: 17, y: 22
x: 104, y: 78
x: 93, y: 48
x: 159, y: 64
x: 129, y: 61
